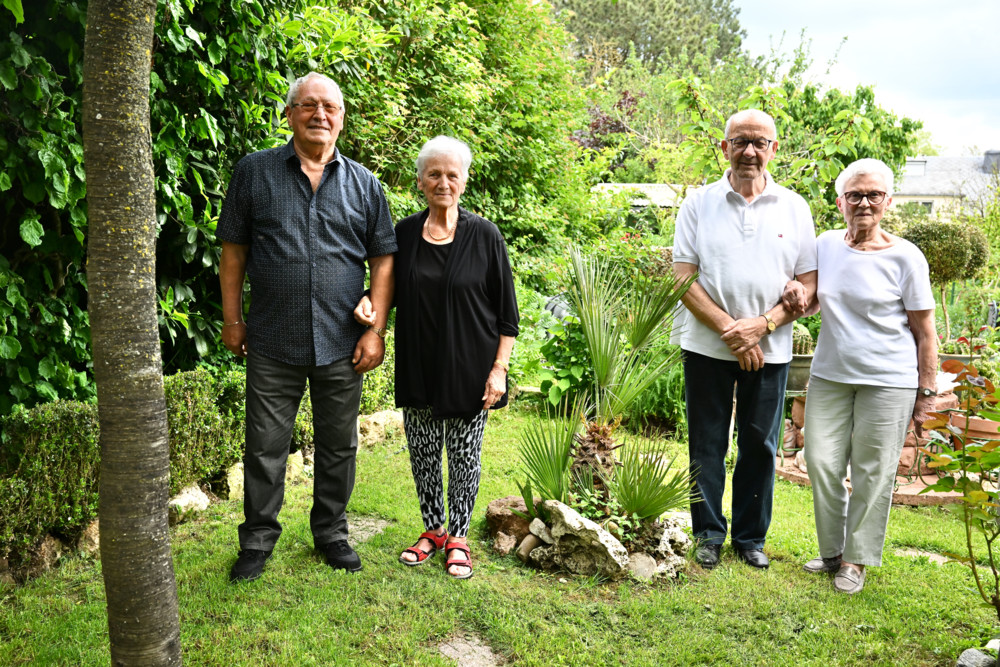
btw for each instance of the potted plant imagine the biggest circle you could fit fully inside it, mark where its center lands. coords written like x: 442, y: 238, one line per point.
x: 802, y: 355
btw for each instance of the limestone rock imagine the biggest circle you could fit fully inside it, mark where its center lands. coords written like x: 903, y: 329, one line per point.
x: 187, y: 504
x: 581, y: 546
x: 379, y: 426
x: 295, y: 468
x: 642, y: 566
x: 500, y: 519
x: 540, y: 530
x: 234, y: 482
x: 529, y: 544
x: 973, y: 657
x: 504, y: 543
x: 674, y: 540
x: 90, y: 541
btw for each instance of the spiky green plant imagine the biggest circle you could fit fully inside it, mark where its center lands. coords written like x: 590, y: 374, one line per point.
x: 643, y: 483
x: 546, y: 452
x: 621, y: 318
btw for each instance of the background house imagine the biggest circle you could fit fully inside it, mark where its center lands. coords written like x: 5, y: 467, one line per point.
x: 942, y: 185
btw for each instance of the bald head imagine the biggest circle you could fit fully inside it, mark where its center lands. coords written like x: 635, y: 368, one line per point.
x: 754, y: 117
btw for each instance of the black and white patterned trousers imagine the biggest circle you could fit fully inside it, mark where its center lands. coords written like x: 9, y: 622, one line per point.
x: 426, y: 436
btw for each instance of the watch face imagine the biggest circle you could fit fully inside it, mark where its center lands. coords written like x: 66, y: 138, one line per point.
x: 771, y: 326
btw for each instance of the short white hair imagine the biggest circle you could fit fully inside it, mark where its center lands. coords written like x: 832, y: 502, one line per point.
x: 293, y: 90
x: 757, y: 114
x: 442, y: 145
x: 862, y: 167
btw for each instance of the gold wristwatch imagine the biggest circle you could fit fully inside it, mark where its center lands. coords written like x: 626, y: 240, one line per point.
x: 379, y: 331
x: 771, y: 326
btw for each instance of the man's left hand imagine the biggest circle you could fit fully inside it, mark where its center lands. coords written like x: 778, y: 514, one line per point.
x: 743, y: 334
x: 368, y: 353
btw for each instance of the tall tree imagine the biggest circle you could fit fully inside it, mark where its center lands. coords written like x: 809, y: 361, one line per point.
x: 135, y: 541
x: 656, y: 29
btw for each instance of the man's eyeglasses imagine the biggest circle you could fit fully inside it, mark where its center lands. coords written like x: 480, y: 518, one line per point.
x: 874, y: 197
x: 310, y: 107
x: 759, y: 145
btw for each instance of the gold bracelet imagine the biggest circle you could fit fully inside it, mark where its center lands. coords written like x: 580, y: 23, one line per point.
x: 505, y: 367
x: 232, y: 324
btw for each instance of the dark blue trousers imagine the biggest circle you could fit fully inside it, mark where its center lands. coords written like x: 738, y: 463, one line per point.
x: 760, y: 395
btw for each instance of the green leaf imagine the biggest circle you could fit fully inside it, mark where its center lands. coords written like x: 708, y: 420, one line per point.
x: 216, y: 50
x: 16, y: 9
x: 10, y: 347
x: 8, y: 77
x: 46, y: 368
x: 46, y: 390
x: 193, y: 35
x: 31, y: 232
x: 4, y: 181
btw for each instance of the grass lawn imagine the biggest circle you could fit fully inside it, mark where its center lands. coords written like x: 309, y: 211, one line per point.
x: 911, y: 612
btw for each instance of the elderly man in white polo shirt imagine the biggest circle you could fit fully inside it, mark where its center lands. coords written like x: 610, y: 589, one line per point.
x: 746, y: 237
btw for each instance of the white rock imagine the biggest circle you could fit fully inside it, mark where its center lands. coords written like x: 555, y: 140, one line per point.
x: 642, y: 566
x: 186, y: 504
x: 581, y: 546
x: 234, y: 482
x: 538, y: 528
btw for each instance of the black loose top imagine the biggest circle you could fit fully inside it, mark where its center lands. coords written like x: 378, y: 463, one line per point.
x: 478, y: 306
x: 307, y: 251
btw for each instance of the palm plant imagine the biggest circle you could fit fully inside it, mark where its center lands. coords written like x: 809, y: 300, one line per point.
x: 622, y: 318
x: 546, y: 453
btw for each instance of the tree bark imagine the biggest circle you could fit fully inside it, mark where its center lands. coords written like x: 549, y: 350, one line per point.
x: 135, y: 467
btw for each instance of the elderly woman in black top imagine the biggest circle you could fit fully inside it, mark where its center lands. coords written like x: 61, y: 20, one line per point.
x: 456, y: 319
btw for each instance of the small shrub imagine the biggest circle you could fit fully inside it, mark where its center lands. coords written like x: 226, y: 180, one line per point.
x: 203, y: 441
x: 569, y: 372
x: 48, y: 472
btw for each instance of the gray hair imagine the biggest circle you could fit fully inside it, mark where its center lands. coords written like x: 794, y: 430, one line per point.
x: 293, y: 90
x: 442, y: 145
x: 749, y: 113
x: 863, y: 167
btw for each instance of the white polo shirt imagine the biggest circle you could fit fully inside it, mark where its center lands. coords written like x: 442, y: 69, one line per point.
x: 745, y: 254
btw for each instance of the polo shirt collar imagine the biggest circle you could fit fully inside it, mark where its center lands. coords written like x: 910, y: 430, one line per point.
x: 769, y: 186
x: 288, y: 152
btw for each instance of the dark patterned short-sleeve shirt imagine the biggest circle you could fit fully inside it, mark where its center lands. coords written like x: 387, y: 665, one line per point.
x: 306, y: 263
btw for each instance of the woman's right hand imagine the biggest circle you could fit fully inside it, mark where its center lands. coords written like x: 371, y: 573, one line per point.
x: 363, y: 312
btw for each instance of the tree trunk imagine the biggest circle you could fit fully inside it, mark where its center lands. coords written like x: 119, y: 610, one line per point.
x: 944, y: 313
x: 135, y: 467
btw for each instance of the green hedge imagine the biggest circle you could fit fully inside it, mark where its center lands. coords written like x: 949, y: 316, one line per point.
x: 48, y: 473
x: 50, y: 454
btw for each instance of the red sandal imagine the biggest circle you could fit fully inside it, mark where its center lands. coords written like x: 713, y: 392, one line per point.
x: 462, y: 562
x: 438, y: 542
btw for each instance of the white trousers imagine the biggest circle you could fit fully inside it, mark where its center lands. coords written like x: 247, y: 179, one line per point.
x: 863, y: 426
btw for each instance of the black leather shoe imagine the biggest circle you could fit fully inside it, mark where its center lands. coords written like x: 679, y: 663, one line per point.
x: 249, y: 565
x: 707, y: 555
x: 340, y: 556
x: 754, y: 557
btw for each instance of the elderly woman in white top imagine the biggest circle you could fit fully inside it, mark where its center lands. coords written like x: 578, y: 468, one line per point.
x: 874, y: 369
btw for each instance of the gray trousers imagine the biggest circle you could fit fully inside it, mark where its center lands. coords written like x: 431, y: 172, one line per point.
x: 274, y: 391
x: 864, y: 426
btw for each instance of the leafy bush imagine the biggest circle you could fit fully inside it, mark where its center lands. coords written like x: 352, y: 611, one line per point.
x: 50, y: 454
x: 203, y: 439
x: 48, y: 472
x: 568, y: 371
x: 663, y: 404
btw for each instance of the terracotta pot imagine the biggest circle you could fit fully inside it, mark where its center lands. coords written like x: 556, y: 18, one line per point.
x: 979, y: 429
x: 964, y: 358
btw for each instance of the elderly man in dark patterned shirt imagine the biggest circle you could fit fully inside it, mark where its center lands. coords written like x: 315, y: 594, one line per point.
x: 301, y: 221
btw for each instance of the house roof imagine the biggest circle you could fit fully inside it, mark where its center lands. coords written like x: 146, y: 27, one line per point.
x: 648, y: 194
x: 938, y: 176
